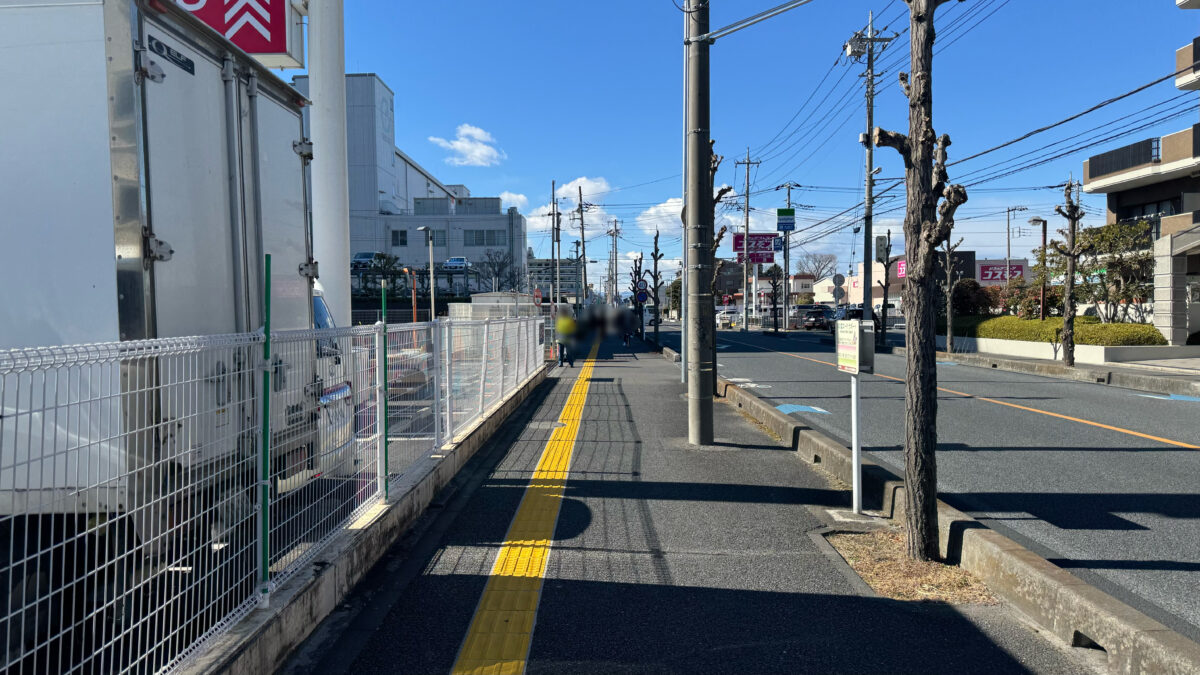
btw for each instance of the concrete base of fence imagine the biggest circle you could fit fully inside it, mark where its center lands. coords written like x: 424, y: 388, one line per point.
x: 259, y: 644
x: 1065, y: 605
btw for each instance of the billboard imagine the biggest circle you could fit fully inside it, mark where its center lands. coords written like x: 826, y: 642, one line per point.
x: 761, y: 248
x: 901, y: 268
x: 270, y: 30
x: 999, y: 272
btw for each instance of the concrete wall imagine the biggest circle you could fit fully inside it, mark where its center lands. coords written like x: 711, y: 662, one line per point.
x: 1091, y: 354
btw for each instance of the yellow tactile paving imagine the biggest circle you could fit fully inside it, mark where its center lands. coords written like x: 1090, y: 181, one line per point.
x: 498, y: 640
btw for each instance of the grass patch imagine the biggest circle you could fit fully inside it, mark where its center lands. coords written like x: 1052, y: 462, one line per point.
x: 880, y: 559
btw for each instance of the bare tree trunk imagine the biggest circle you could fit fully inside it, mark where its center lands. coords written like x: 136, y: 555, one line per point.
x: 925, y: 226
x: 1072, y: 252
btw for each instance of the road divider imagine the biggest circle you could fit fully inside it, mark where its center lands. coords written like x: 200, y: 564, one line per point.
x: 1076, y: 612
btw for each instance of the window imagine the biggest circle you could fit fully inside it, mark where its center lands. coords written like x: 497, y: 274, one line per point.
x: 439, y: 238
x: 484, y: 238
x: 399, y: 237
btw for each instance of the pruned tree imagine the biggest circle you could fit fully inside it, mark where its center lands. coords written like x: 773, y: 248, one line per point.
x: 385, y: 267
x: 928, y: 219
x: 881, y: 336
x: 495, y: 267
x: 774, y: 275
x: 635, y: 275
x: 951, y: 267
x: 655, y: 283
x: 819, y: 265
x: 1071, y: 253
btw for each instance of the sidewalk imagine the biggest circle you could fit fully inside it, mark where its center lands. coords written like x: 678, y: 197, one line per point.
x: 660, y: 557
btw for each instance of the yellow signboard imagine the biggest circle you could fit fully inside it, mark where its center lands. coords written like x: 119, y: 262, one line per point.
x: 848, y: 335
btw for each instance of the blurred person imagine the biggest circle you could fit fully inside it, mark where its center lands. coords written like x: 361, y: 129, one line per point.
x: 564, y: 334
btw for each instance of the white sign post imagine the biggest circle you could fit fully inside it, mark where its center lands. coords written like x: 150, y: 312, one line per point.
x: 854, y: 356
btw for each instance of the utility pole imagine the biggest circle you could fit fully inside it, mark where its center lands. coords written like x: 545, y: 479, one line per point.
x: 575, y: 246
x: 1008, y: 241
x: 746, y: 246
x: 857, y: 47
x: 583, y: 242
x: 614, y: 290
x: 787, y: 268
x: 698, y: 242
x: 553, y: 239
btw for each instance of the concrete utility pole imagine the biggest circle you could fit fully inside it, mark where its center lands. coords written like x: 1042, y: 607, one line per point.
x: 583, y: 242
x: 330, y: 184
x: 787, y: 268
x: 1035, y: 221
x: 614, y: 283
x: 857, y: 47
x: 698, y: 242
x: 575, y: 246
x: 1008, y: 240
x: 746, y: 246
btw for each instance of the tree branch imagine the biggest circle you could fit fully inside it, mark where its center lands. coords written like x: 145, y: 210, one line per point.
x: 940, y: 175
x: 896, y: 141
x: 953, y: 197
x: 904, y: 85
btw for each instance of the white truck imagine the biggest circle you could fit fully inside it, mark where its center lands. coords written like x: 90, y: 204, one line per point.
x: 146, y: 167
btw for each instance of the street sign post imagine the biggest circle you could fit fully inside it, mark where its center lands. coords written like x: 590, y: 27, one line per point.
x: 778, y: 244
x: 854, y: 343
x: 642, y: 297
x: 642, y: 284
x: 785, y: 220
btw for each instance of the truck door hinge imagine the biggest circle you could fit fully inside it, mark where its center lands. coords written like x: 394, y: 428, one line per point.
x: 309, y: 269
x: 147, y: 68
x: 156, y: 249
x: 304, y: 148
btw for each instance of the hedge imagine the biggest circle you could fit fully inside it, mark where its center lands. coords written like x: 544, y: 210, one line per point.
x: 1088, y: 330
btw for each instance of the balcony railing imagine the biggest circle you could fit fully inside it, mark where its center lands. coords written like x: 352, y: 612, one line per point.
x: 1138, y: 154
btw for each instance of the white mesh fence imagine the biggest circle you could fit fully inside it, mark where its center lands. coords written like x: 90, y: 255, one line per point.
x: 153, y: 493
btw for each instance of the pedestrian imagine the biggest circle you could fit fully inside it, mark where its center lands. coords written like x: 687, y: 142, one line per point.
x: 564, y: 334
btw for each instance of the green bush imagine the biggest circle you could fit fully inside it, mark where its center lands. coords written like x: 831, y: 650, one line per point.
x: 1088, y: 330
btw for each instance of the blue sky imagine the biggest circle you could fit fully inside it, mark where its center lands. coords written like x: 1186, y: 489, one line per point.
x: 520, y: 93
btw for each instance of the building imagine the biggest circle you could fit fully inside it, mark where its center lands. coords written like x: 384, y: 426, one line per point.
x: 541, y: 276
x: 1158, y: 180
x: 391, y: 196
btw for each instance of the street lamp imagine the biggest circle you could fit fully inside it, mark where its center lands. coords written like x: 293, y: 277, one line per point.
x: 1035, y: 221
x: 432, y: 279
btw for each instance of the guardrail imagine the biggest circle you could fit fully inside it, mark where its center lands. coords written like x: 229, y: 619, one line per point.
x: 153, y: 493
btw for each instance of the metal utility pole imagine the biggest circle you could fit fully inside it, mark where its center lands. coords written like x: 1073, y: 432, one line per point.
x: 556, y: 244
x: 698, y: 242
x: 614, y: 290
x: 330, y: 185
x: 787, y: 268
x: 583, y: 242
x: 1035, y: 221
x: 857, y: 47
x: 746, y: 247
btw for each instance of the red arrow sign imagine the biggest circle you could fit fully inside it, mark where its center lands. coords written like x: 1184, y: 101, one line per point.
x: 256, y: 26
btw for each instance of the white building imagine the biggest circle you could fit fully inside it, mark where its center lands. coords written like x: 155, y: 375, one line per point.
x: 391, y: 196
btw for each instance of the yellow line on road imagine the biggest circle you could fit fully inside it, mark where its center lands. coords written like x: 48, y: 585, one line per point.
x: 1130, y: 432
x: 502, y: 629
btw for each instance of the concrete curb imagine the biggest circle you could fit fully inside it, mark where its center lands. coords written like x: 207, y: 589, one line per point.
x: 261, y: 642
x: 1148, y: 382
x: 1070, y: 608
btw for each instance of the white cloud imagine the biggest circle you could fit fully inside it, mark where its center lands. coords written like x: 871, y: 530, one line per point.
x: 471, y: 146
x: 662, y: 217
x: 513, y: 199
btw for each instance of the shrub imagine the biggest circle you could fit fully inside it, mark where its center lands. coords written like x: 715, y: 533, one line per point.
x: 1088, y: 331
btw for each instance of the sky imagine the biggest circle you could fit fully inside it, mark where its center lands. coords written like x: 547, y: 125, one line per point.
x: 507, y: 97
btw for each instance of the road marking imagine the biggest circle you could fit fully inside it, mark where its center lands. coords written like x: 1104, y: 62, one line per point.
x: 1172, y: 397
x: 1121, y: 430
x: 792, y: 408
x: 502, y: 629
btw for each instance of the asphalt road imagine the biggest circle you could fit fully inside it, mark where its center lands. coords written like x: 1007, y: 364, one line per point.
x: 665, y: 558
x: 1094, y: 478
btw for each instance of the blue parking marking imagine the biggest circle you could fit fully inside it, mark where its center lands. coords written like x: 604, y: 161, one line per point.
x: 1172, y: 397
x: 790, y: 408
x: 946, y: 363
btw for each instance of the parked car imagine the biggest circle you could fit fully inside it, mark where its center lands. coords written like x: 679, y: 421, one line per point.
x: 850, y: 313
x: 362, y: 260
x: 455, y: 264
x: 817, y: 319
